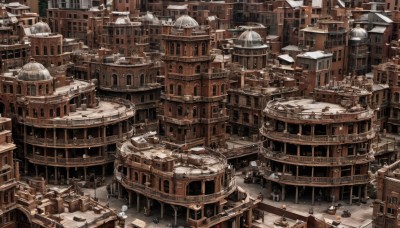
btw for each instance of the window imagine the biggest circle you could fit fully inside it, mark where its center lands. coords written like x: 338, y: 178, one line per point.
x: 214, y: 90
x: 45, y: 50
x: 129, y: 80
x: 198, y: 69
x: 179, y: 90
x: 178, y: 49
x: 37, y: 51
x: 180, y: 110
x: 222, y: 88
x: 142, y: 81
x: 203, y: 49
x: 114, y: 80
x: 171, y: 88
x: 195, y: 91
x: 171, y: 49
x: 180, y: 70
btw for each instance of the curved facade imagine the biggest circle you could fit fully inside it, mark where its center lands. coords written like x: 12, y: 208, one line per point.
x: 250, y: 51
x: 318, y: 148
x: 63, y: 129
x: 195, y: 184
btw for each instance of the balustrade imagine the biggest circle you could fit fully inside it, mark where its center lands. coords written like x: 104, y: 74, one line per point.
x: 81, y: 161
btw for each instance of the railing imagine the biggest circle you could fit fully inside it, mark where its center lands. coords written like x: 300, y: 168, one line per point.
x: 128, y: 112
x: 8, y: 183
x: 131, y: 88
x: 81, y: 161
x: 150, y: 192
x: 215, y: 74
x: 78, y: 142
x: 350, y: 138
x: 242, y: 151
x: 305, y: 180
x: 188, y: 59
x: 386, y: 147
x: 311, y: 116
x: 316, y: 160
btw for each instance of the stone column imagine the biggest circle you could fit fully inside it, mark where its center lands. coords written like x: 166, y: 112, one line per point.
x: 312, y: 196
x: 297, y: 194
x: 162, y: 210
x: 67, y: 175
x: 351, y: 195
x: 137, y: 202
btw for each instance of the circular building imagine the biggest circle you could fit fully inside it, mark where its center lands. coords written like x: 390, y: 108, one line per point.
x: 250, y: 51
x: 197, y: 185
x: 317, y: 150
x: 62, y: 128
x: 46, y: 47
x: 358, y: 51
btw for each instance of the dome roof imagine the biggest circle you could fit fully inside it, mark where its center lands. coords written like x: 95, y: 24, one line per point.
x: 150, y: 18
x: 185, y: 21
x: 40, y: 27
x: 250, y: 38
x: 123, y: 20
x: 358, y: 33
x: 34, y: 71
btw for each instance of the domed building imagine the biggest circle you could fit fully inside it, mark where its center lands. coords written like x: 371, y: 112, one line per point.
x: 62, y: 129
x: 358, y: 51
x: 46, y: 47
x: 185, y: 21
x: 250, y: 51
x: 152, y: 25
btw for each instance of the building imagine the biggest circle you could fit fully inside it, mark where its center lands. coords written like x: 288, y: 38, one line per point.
x: 62, y: 128
x: 9, y: 174
x: 194, y: 100
x: 197, y: 185
x: 317, y: 150
x: 386, y: 205
x: 358, y: 51
x: 250, y: 51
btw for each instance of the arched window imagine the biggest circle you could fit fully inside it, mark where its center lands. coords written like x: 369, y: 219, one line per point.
x: 198, y: 69
x: 214, y: 90
x: 114, y: 80
x: 180, y: 111
x: 195, y: 91
x: 171, y: 88
x: 180, y: 70
x: 222, y: 88
x: 45, y: 50
x: 171, y: 49
x: 196, y: 50
x: 129, y: 80
x: 203, y: 49
x: 179, y: 90
x: 37, y: 50
x: 194, y: 112
x: 19, y: 90
x: 396, y: 97
x: 142, y: 81
x: 178, y: 49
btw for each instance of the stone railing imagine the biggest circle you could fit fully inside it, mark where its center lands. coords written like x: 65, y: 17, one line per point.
x: 386, y: 147
x: 78, y: 142
x: 324, y: 139
x: 158, y: 195
x: 316, y: 160
x: 81, y: 161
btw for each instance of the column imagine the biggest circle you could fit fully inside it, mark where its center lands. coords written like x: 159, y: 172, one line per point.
x: 55, y: 175
x: 312, y: 152
x: 297, y: 172
x: 203, y: 187
x: 175, y: 214
x: 351, y: 195
x: 300, y: 129
x: 249, y: 217
x: 104, y: 170
x: 285, y: 127
x: 297, y: 194
x: 284, y: 148
x: 298, y: 150
x: 67, y: 175
x: 84, y: 173
x: 137, y: 202
x: 47, y: 174
x: 312, y: 173
x: 283, y: 192
x: 312, y: 196
x: 162, y: 210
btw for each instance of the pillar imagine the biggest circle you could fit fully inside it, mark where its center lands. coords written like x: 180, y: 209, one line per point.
x: 162, y: 210
x: 283, y: 192
x: 137, y: 202
x: 312, y: 196
x: 175, y: 215
x: 84, y: 173
x: 297, y: 194
x: 47, y: 174
x: 103, y: 170
x: 55, y: 175
x: 249, y: 217
x: 351, y: 195
x: 67, y: 175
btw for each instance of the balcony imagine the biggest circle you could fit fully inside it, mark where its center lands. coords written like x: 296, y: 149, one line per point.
x: 174, y: 199
x: 71, y: 162
x: 191, y: 59
x: 181, y: 122
x: 287, y: 178
x: 314, y: 161
x: 131, y: 88
x: 319, y: 139
x: 73, y: 143
x: 8, y: 184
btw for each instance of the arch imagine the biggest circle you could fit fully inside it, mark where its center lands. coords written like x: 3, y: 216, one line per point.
x: 142, y: 80
x: 178, y: 49
x: 24, y: 217
x: 171, y: 49
x: 195, y: 90
x: 129, y: 80
x: 193, y: 188
x: 180, y: 69
x: 114, y: 80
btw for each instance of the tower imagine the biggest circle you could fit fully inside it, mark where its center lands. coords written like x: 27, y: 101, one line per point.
x: 195, y: 93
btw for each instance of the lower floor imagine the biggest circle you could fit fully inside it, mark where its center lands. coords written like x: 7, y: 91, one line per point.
x: 64, y: 175
x: 281, y: 192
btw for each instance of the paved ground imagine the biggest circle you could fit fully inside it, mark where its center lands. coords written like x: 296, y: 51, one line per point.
x: 361, y: 215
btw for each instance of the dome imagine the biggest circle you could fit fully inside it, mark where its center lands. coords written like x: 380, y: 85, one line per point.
x: 185, y: 21
x: 123, y: 20
x: 250, y: 38
x: 150, y: 18
x: 34, y: 71
x: 358, y: 33
x: 40, y: 27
